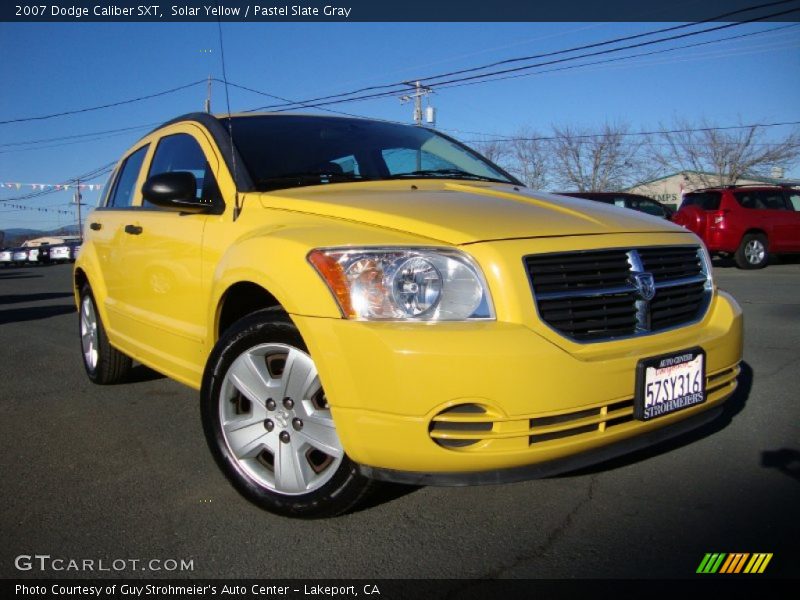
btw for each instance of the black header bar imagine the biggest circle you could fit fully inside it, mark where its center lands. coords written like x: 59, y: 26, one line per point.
x: 274, y: 11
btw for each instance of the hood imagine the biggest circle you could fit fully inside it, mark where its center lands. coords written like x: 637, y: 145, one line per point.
x: 458, y: 212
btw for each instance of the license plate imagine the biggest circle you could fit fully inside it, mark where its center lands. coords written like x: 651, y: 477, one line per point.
x: 669, y: 383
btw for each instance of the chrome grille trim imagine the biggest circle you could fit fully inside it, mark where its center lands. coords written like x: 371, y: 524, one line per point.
x: 568, y: 300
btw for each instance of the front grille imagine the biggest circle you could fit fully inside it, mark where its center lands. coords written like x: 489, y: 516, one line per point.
x: 593, y: 295
x: 668, y: 264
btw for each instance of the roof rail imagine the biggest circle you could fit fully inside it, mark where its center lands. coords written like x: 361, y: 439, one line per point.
x: 741, y: 185
x: 744, y: 185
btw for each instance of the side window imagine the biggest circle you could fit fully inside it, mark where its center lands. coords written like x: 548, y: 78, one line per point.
x: 705, y: 200
x: 105, y: 199
x: 747, y: 200
x: 762, y: 200
x: 123, y: 192
x: 794, y: 201
x: 348, y: 164
x: 774, y: 200
x: 649, y: 207
x: 181, y: 152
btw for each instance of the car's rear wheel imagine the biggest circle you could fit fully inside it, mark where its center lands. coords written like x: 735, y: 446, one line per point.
x: 752, y: 252
x: 104, y: 364
x: 268, y: 423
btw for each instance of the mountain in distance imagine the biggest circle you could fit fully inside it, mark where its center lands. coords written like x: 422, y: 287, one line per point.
x: 15, y: 236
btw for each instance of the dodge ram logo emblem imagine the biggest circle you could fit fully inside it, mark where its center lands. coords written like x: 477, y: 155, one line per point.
x: 645, y: 285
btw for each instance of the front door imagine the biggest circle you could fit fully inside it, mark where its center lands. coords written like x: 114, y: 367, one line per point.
x: 166, y: 306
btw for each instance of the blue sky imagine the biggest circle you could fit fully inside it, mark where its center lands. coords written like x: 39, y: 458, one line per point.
x: 49, y: 68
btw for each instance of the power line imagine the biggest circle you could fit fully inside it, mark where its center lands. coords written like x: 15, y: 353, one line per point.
x: 400, y: 86
x: 485, y: 78
x: 88, y: 176
x: 549, y: 138
x: 102, y: 106
x: 300, y: 103
x: 621, y: 58
x: 79, y: 135
x: 721, y: 17
x: 62, y: 144
x: 113, y: 132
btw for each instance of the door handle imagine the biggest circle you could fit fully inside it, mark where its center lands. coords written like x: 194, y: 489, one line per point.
x: 133, y: 229
x: 95, y: 226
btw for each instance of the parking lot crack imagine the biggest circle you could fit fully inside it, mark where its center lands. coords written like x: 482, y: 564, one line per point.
x: 780, y: 368
x: 544, y: 547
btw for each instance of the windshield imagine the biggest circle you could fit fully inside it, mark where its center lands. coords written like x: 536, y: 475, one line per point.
x: 282, y: 151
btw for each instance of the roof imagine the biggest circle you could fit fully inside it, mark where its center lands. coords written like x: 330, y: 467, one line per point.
x: 751, y: 177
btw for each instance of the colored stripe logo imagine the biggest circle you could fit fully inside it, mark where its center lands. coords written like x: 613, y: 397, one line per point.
x: 737, y: 562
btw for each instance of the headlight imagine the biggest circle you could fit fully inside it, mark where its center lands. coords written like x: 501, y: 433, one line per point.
x: 705, y: 262
x: 398, y: 284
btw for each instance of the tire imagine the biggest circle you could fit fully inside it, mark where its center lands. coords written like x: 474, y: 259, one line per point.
x: 753, y: 252
x: 268, y: 424
x: 104, y: 364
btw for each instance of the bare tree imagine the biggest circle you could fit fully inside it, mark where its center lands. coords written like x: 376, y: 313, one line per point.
x: 596, y: 162
x: 494, y: 150
x: 712, y: 156
x: 529, y: 158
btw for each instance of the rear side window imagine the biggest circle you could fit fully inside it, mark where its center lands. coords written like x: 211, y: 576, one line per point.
x: 704, y: 200
x: 647, y: 206
x: 794, y: 200
x: 181, y: 152
x: 761, y: 200
x: 122, y: 195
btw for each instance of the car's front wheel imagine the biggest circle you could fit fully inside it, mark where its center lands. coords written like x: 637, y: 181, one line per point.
x: 268, y: 423
x: 753, y: 252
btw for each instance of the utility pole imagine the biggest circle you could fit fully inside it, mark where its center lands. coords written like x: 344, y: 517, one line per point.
x: 419, y: 91
x: 78, y: 198
x: 208, y: 96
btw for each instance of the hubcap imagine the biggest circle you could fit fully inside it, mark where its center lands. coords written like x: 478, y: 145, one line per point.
x: 754, y: 252
x: 89, y: 332
x: 279, y: 456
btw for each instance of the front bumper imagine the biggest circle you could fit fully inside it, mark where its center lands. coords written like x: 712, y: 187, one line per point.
x: 389, y: 385
x: 548, y: 468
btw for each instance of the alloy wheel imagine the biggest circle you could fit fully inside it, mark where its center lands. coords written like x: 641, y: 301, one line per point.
x: 89, y: 335
x: 276, y: 421
x: 754, y: 251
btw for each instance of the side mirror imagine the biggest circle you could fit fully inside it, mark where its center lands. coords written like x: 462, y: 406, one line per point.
x: 175, y: 190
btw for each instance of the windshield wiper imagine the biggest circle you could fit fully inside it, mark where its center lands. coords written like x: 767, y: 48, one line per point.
x: 455, y: 173
x: 305, y: 178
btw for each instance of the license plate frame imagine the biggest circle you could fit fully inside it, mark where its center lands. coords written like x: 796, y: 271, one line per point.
x: 661, y: 402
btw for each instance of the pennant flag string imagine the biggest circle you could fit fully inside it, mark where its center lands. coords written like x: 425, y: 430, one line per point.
x: 51, y: 186
x: 38, y: 208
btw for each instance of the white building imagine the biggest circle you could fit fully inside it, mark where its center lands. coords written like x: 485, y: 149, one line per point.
x: 670, y: 188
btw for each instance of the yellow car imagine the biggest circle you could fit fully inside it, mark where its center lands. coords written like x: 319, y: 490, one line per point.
x: 360, y: 301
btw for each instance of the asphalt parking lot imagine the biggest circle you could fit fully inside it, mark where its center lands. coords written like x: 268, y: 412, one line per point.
x: 123, y: 472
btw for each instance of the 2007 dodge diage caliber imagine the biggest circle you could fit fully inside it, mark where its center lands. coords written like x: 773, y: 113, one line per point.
x: 361, y: 301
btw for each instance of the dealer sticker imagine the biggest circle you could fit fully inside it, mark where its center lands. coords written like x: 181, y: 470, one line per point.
x: 669, y: 383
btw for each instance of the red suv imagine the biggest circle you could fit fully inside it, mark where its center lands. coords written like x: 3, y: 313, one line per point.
x: 747, y: 221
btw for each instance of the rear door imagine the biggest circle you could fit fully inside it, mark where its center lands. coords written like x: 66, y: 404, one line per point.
x: 767, y: 210
x: 793, y: 204
x: 105, y: 237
